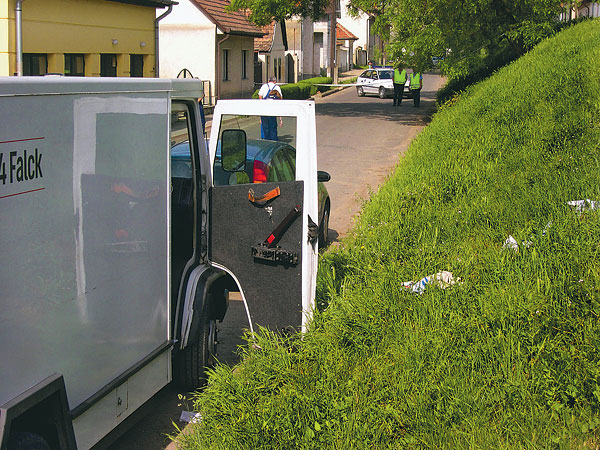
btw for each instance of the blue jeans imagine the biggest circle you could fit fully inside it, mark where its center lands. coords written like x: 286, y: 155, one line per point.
x: 268, y: 128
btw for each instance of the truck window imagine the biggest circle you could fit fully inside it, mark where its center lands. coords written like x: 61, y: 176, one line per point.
x: 267, y: 137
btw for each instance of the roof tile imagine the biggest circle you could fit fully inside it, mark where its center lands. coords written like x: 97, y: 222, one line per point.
x: 342, y: 34
x: 229, y: 22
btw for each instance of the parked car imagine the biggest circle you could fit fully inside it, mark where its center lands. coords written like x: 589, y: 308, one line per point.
x: 266, y: 161
x: 379, y: 81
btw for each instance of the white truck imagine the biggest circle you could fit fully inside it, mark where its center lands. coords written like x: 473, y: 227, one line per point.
x: 113, y: 269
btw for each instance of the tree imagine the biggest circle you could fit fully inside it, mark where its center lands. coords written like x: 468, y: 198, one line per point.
x: 464, y: 32
x: 263, y: 12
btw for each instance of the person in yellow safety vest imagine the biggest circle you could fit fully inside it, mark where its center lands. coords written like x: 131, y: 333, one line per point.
x: 399, y: 82
x: 416, y: 84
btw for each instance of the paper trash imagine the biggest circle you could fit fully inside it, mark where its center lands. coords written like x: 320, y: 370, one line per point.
x: 584, y: 205
x: 190, y: 417
x: 441, y: 279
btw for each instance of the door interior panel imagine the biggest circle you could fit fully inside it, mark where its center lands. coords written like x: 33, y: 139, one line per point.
x: 273, y: 290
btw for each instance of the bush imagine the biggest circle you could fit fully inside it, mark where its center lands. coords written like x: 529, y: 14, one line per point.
x: 303, y: 89
x: 508, y: 358
x: 477, y: 67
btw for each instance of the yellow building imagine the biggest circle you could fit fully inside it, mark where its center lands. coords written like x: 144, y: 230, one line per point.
x: 80, y: 37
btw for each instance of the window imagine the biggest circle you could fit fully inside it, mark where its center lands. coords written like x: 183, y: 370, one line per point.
x: 108, y: 65
x: 136, y: 65
x: 268, y: 158
x: 225, y: 65
x: 268, y: 66
x: 278, y: 69
x: 244, y: 64
x: 74, y: 65
x: 35, y: 64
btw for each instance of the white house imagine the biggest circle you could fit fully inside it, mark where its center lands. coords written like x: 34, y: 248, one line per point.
x: 270, y: 54
x: 212, y: 44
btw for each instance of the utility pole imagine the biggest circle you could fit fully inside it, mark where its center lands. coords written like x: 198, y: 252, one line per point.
x: 332, y: 38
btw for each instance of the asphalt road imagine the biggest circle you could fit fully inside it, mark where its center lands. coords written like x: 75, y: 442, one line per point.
x: 360, y: 140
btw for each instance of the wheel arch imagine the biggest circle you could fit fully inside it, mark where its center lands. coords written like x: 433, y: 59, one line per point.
x: 42, y: 410
x: 205, y: 285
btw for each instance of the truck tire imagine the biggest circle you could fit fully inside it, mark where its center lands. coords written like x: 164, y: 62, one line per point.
x: 192, y: 361
x: 27, y: 441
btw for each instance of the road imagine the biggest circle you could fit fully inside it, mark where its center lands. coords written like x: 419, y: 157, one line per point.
x: 360, y: 140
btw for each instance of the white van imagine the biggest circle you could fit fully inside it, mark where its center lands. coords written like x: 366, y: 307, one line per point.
x: 114, y: 270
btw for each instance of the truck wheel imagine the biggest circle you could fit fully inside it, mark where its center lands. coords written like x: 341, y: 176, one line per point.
x: 381, y: 92
x: 193, y: 360
x: 27, y: 441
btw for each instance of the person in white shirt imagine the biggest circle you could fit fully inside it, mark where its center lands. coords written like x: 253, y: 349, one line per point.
x: 268, y: 124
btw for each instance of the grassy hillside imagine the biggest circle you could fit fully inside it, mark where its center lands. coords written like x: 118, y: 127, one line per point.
x: 507, y: 358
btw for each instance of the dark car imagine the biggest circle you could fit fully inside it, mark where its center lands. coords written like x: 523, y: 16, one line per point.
x: 266, y: 161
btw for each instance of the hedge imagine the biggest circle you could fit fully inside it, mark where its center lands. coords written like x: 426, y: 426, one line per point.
x: 303, y: 89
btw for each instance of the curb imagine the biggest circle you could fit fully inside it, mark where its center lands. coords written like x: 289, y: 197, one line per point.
x: 332, y: 91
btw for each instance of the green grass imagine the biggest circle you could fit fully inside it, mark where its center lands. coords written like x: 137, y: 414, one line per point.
x: 510, y: 357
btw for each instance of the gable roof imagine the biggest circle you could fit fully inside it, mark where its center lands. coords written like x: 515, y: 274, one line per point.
x: 265, y: 43
x: 342, y: 34
x: 229, y: 23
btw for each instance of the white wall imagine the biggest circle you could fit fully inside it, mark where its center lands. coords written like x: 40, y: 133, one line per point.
x: 358, y: 27
x: 189, y: 47
x: 187, y: 40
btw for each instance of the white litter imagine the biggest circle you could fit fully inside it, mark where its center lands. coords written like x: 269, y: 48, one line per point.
x: 584, y: 205
x: 190, y: 417
x: 511, y: 243
x: 442, y: 280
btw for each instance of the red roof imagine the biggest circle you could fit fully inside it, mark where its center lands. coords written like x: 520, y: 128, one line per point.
x: 229, y: 22
x: 265, y: 43
x: 342, y: 34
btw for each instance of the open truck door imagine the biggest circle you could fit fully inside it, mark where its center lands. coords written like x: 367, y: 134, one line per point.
x: 263, y: 207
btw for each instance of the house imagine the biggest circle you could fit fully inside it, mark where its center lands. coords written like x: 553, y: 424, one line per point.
x: 344, y: 47
x: 203, y: 39
x: 270, y: 55
x: 301, y: 48
x: 79, y: 37
x: 582, y: 9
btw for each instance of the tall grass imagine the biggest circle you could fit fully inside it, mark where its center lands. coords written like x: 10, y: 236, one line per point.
x: 508, y: 358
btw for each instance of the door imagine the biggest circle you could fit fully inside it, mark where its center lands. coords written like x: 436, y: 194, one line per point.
x: 260, y: 213
x: 373, y: 83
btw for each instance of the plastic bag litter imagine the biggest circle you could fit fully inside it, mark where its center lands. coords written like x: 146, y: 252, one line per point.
x: 511, y: 243
x: 584, y: 205
x: 190, y: 417
x: 442, y: 280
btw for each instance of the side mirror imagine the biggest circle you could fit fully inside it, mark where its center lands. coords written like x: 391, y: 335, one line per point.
x: 233, y: 150
x: 323, y: 176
